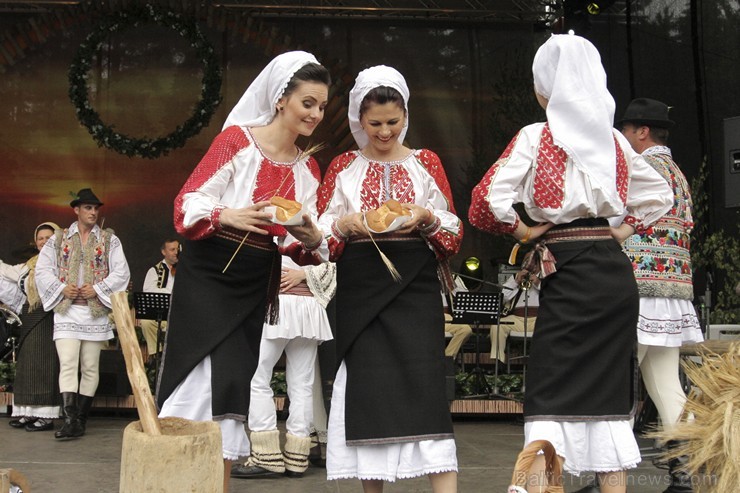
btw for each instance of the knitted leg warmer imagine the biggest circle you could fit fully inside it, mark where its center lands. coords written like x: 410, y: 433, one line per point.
x: 296, y: 453
x: 266, y: 451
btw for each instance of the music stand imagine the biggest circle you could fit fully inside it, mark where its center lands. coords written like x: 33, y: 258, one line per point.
x: 476, y: 309
x: 153, y: 306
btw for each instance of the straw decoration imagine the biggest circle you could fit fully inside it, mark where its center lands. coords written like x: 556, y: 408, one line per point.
x: 711, y: 440
x: 388, y: 264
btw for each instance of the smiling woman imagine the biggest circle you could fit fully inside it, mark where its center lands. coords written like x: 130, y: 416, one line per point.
x: 104, y: 134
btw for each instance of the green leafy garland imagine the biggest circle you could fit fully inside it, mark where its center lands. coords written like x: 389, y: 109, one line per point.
x: 104, y: 134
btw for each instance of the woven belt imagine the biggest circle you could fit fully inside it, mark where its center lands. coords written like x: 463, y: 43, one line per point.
x: 263, y: 242
x: 378, y: 237
x: 599, y: 233
x: 300, y: 290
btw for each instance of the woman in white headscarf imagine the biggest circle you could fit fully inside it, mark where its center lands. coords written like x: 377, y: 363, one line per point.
x: 36, y: 400
x: 571, y: 173
x: 228, y: 274
x: 389, y: 414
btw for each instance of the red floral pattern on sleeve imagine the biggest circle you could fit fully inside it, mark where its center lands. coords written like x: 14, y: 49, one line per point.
x: 223, y: 148
x: 479, y: 214
x: 445, y: 243
x: 325, y: 194
x: 622, y: 173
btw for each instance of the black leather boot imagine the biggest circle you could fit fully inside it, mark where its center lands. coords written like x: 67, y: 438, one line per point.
x: 71, y: 427
x: 680, y: 479
x: 85, y: 403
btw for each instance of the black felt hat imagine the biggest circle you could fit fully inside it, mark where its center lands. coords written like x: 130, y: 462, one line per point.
x: 85, y: 196
x: 645, y: 111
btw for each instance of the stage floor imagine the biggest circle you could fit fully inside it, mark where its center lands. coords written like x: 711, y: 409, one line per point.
x: 487, y: 450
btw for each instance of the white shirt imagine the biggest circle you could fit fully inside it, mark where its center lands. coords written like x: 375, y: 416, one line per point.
x: 152, y: 279
x: 77, y: 322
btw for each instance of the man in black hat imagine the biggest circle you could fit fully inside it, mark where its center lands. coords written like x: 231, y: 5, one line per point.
x: 77, y: 271
x: 662, y: 264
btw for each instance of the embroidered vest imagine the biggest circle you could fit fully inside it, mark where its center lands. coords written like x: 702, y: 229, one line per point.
x: 163, y: 274
x: 94, y: 259
x: 660, y: 256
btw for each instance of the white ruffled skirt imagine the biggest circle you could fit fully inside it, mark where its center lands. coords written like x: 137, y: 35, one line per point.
x: 593, y: 446
x: 668, y: 322
x: 387, y: 462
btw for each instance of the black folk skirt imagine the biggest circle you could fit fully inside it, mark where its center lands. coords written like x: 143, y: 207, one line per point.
x: 37, y: 365
x: 391, y: 337
x: 582, y: 365
x: 220, y: 315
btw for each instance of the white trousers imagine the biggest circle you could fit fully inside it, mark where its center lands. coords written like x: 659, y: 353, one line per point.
x: 300, y: 361
x: 659, y: 366
x: 319, y: 408
x: 83, y: 357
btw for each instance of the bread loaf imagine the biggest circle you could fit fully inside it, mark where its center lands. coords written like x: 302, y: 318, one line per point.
x: 285, y: 208
x: 379, y: 219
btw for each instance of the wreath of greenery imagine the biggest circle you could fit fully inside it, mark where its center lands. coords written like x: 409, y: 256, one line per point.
x: 104, y: 134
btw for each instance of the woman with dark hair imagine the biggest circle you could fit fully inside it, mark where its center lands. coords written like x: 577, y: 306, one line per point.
x: 228, y: 274
x: 571, y: 173
x: 389, y: 415
x: 36, y: 388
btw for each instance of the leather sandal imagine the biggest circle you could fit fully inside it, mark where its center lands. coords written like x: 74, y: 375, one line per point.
x: 40, y: 425
x: 244, y: 471
x: 21, y: 422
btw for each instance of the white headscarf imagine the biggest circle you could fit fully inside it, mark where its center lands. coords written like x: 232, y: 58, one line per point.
x: 257, y: 105
x: 366, y: 81
x: 568, y: 72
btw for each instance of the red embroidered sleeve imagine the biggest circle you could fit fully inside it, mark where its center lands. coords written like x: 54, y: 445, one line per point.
x: 444, y: 242
x: 325, y: 194
x: 222, y: 150
x: 480, y: 215
x: 299, y: 254
x: 635, y: 223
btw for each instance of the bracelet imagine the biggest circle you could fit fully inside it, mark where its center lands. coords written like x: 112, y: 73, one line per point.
x: 312, y: 247
x: 338, y: 232
x: 525, y: 238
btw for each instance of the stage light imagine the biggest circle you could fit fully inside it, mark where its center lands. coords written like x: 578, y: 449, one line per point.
x: 471, y: 272
x: 472, y: 263
x: 593, y: 8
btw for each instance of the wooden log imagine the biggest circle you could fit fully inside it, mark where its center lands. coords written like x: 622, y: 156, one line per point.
x: 186, y: 457
x: 134, y: 364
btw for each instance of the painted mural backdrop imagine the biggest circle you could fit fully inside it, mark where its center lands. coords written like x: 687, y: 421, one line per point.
x: 470, y: 87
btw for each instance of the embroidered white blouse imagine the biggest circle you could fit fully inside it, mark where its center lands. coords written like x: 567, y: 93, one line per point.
x: 535, y: 172
x: 355, y: 183
x: 11, y: 295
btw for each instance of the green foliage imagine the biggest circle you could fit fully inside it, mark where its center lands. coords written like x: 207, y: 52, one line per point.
x: 716, y: 251
x: 104, y: 134
x: 7, y: 375
x: 278, y: 384
x: 465, y: 384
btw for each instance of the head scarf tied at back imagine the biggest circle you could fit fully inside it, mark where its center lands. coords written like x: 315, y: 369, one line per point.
x: 34, y: 300
x: 366, y: 81
x: 257, y: 106
x: 568, y: 72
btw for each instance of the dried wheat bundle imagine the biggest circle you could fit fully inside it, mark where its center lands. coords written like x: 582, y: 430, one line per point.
x: 553, y: 471
x: 711, y: 440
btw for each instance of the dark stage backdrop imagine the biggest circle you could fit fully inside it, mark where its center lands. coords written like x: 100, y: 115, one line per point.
x: 471, y: 90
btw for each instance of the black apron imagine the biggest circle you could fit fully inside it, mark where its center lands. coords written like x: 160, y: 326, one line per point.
x: 391, y: 338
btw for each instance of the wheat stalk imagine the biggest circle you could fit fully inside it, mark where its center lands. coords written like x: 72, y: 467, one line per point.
x: 388, y: 264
